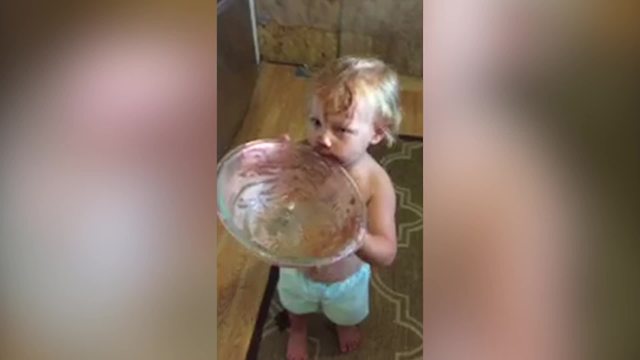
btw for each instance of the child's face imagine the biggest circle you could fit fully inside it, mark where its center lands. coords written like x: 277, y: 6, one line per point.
x: 343, y: 138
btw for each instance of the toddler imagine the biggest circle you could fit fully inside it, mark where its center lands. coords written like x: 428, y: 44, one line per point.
x: 355, y: 104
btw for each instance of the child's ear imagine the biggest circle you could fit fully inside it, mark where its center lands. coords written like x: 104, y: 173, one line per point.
x: 378, y: 135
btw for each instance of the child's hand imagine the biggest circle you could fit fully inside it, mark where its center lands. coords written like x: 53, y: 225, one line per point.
x: 287, y: 138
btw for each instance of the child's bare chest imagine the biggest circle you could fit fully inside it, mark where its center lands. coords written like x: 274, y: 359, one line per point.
x: 346, y: 267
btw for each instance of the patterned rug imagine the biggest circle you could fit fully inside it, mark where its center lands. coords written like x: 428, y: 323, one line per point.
x: 393, y: 330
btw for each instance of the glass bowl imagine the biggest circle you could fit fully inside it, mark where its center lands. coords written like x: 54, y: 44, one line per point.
x: 288, y: 204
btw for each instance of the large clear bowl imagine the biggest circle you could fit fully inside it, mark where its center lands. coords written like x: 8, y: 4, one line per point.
x: 288, y: 204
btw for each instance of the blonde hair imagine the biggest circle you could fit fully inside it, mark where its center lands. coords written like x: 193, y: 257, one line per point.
x: 344, y: 81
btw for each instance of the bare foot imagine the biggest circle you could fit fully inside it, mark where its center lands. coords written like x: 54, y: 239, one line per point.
x: 349, y: 338
x: 297, y: 345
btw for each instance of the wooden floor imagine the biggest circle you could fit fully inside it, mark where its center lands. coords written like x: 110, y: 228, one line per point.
x: 279, y: 105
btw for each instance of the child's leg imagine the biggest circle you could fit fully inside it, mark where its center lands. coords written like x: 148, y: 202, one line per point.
x: 297, y: 344
x: 347, y: 305
x: 298, y: 299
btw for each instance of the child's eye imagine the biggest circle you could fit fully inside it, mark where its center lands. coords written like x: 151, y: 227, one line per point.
x: 315, y: 122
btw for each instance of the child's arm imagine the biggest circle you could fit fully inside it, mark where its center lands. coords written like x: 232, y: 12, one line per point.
x: 380, y: 244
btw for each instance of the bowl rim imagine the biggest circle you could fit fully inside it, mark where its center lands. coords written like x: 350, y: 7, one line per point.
x: 254, y: 248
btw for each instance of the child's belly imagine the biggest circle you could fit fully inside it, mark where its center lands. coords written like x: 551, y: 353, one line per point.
x: 339, y: 271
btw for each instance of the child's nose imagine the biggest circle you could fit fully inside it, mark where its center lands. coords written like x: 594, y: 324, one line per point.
x: 325, y: 139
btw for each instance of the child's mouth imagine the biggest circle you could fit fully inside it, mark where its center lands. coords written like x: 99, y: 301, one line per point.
x: 326, y: 153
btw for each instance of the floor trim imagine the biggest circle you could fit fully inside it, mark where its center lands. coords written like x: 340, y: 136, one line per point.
x: 263, y: 312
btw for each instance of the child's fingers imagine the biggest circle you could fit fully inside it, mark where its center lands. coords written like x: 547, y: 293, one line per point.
x: 285, y: 137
